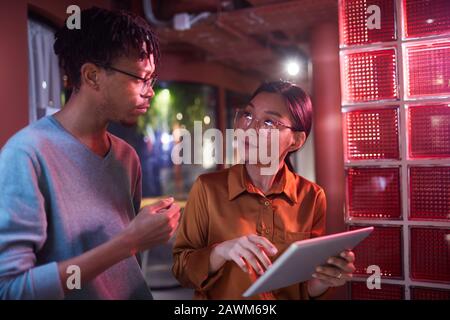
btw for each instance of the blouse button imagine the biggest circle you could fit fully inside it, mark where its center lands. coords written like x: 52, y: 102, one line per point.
x: 267, y: 203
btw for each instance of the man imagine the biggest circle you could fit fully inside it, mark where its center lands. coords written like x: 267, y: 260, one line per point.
x: 69, y: 189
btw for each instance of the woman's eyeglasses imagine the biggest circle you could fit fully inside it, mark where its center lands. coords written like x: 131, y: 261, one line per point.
x: 243, y: 119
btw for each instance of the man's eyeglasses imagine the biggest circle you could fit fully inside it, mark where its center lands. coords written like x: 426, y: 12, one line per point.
x: 146, y: 83
x: 243, y: 119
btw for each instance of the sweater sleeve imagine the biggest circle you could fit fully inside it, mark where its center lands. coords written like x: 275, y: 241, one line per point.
x: 23, y: 226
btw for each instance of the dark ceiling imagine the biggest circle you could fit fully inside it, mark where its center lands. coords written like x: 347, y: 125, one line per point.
x: 253, y: 36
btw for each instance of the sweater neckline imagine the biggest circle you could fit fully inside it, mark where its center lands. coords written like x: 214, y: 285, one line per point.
x: 87, y: 150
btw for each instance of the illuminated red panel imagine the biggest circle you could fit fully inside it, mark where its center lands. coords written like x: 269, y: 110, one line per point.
x: 429, y: 192
x: 382, y: 248
x: 429, y: 131
x: 429, y: 294
x: 430, y: 254
x: 372, y: 134
x: 359, y: 291
x: 353, y: 22
x: 426, y: 18
x: 428, y: 70
x: 373, y: 193
x: 369, y: 76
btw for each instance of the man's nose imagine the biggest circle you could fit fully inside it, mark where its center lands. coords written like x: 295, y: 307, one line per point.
x: 149, y: 94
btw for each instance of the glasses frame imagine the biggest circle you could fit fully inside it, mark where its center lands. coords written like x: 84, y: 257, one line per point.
x: 146, y: 83
x: 277, y: 123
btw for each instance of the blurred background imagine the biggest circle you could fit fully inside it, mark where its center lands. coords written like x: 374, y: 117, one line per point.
x: 378, y: 72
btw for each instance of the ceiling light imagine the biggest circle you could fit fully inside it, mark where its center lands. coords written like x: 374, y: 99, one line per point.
x: 292, y: 68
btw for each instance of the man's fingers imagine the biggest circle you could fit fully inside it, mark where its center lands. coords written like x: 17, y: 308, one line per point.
x: 174, y: 219
x: 163, y: 204
x: 170, y: 214
x: 266, y: 244
x: 174, y: 210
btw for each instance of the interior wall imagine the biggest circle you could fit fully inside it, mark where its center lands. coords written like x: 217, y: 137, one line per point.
x: 184, y: 68
x: 14, y: 55
x: 14, y: 68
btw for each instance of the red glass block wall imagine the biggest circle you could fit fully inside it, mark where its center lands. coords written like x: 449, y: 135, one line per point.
x: 369, y: 76
x: 418, y: 293
x: 426, y: 18
x: 353, y: 15
x: 373, y: 192
x: 359, y: 291
x: 429, y: 131
x: 429, y: 193
x: 428, y: 69
x: 383, y: 247
x: 371, y: 134
x: 430, y: 254
x: 395, y: 83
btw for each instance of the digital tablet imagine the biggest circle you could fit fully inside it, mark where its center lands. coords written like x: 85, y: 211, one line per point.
x: 299, y: 261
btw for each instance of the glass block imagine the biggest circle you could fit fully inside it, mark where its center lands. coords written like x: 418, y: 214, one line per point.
x: 369, y: 76
x: 371, y: 134
x: 429, y: 131
x: 373, y: 192
x: 428, y: 69
x: 426, y: 18
x: 419, y: 293
x: 430, y: 254
x: 359, y: 291
x: 383, y: 247
x: 353, y: 22
x: 429, y: 193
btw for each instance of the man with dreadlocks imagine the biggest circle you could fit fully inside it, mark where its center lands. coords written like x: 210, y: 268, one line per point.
x: 70, y: 218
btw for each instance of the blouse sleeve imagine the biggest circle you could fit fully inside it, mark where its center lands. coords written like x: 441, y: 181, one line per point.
x: 191, y: 251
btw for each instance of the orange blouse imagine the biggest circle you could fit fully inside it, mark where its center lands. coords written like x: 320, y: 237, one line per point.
x: 225, y: 205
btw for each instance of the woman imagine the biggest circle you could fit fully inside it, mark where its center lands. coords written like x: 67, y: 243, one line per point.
x: 237, y: 221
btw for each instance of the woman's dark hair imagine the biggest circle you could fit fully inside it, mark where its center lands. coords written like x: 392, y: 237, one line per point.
x: 298, y: 103
x: 104, y: 36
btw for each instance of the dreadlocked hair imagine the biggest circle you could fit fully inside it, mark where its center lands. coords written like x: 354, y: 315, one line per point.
x: 104, y: 36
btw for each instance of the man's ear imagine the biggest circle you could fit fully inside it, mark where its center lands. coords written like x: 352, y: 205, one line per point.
x: 299, y: 139
x: 90, y: 75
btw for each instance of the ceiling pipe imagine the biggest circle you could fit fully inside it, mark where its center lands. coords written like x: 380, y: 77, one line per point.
x: 181, y: 21
x: 150, y: 16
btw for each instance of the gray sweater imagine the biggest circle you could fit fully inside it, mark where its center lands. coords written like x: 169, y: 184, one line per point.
x: 58, y: 200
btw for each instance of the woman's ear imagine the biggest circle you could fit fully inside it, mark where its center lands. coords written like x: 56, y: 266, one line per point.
x: 299, y: 139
